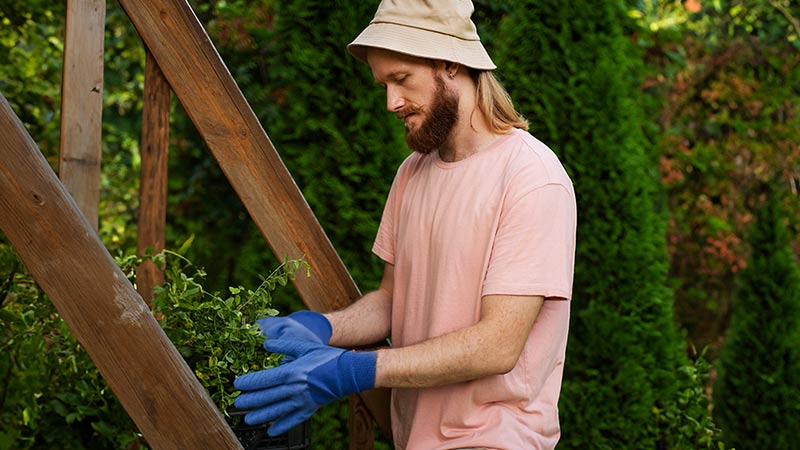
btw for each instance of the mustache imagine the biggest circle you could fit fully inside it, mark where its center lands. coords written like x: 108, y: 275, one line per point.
x: 408, y: 111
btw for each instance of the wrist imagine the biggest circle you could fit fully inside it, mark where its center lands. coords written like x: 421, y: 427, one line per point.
x: 360, y: 369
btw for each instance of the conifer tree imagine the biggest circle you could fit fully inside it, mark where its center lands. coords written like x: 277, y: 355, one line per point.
x: 757, y: 392
x: 327, y: 119
x: 330, y: 124
x: 573, y: 74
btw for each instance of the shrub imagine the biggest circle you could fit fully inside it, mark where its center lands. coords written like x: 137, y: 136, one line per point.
x: 51, y: 394
x: 574, y: 75
x: 216, y: 333
x: 757, y: 392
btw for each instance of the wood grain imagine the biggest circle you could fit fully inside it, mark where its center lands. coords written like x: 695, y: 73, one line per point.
x: 82, y: 104
x: 66, y: 257
x: 154, y: 150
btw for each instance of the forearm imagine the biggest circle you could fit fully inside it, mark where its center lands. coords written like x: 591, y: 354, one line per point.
x: 365, y: 322
x: 451, y: 358
x: 490, y: 347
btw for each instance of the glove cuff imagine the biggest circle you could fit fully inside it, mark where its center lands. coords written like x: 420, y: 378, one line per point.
x: 361, y: 368
x: 315, y: 322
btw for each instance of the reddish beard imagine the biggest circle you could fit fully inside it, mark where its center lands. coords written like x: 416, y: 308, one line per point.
x: 442, y: 117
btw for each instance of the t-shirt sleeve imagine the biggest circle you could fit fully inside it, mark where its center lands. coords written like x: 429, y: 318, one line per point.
x: 534, y: 249
x: 384, y: 245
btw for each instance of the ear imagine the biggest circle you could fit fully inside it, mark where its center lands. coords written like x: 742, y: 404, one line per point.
x: 451, y: 69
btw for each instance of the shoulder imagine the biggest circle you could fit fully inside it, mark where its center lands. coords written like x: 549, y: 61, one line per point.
x: 532, y: 163
x: 411, y: 166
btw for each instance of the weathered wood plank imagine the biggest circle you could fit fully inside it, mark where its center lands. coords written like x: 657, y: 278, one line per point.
x: 218, y: 109
x: 154, y: 149
x: 82, y: 104
x: 360, y: 424
x: 65, y: 256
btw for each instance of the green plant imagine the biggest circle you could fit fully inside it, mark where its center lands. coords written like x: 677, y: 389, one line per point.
x: 684, y: 419
x: 216, y: 333
x: 51, y: 394
x: 576, y: 77
x: 757, y: 391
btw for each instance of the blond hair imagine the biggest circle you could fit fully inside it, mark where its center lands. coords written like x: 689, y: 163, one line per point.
x: 495, y: 103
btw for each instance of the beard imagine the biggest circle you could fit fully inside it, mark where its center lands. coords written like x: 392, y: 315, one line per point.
x: 442, y: 117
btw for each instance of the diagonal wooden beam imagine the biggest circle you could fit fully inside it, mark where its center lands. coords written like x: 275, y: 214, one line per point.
x: 219, y: 111
x: 216, y: 106
x: 65, y: 256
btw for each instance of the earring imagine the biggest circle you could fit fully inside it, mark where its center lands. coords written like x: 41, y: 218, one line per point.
x: 452, y: 76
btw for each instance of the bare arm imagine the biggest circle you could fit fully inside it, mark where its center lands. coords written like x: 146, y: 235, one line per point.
x: 368, y: 320
x: 490, y: 347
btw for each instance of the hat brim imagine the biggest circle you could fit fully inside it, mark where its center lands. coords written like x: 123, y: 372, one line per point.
x: 421, y: 43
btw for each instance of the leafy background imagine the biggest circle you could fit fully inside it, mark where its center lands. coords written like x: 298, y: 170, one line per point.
x: 670, y: 116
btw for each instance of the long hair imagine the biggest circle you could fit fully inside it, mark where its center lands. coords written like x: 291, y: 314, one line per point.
x: 495, y: 103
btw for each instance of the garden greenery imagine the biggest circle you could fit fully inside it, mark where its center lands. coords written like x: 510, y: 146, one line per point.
x: 627, y: 379
x: 52, y: 395
x: 757, y: 391
x: 216, y: 333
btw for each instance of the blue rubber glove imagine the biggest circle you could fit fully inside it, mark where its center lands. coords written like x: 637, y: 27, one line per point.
x: 290, y: 393
x: 305, y: 325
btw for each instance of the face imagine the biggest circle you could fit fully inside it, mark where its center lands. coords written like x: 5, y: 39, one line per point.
x: 418, y: 95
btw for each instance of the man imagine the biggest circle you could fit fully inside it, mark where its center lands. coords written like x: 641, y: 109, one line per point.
x: 478, y: 237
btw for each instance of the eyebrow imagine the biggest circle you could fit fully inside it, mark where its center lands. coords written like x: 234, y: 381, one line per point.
x: 390, y: 75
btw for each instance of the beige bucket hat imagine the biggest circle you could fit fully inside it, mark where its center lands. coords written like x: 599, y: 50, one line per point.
x: 436, y: 29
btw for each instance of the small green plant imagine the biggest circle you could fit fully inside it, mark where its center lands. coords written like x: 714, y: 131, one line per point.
x: 51, y: 394
x: 216, y: 333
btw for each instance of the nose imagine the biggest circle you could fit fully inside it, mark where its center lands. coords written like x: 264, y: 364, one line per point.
x: 394, y: 101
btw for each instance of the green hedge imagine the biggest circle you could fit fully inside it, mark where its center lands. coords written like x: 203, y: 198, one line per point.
x: 757, y: 392
x: 326, y: 118
x: 574, y: 75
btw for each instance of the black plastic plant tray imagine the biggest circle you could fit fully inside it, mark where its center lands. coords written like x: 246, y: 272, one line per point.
x: 255, y: 437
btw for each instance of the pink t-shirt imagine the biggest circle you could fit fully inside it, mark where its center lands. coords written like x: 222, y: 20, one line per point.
x: 499, y: 222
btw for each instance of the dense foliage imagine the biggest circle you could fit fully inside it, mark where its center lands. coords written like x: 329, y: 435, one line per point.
x: 574, y: 75
x: 325, y: 116
x: 216, y: 332
x: 51, y: 394
x: 724, y: 79
x: 54, y: 397
x: 757, y: 392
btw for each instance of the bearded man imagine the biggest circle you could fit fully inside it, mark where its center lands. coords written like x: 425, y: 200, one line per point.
x: 478, y: 239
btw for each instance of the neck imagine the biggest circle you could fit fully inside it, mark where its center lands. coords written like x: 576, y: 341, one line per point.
x: 471, y: 135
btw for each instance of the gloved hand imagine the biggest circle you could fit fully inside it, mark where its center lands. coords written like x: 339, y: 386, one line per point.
x: 290, y: 393
x: 305, y: 325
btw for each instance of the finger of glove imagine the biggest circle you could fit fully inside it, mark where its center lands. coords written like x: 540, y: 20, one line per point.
x: 265, y: 397
x: 274, y: 411
x: 290, y: 421
x: 283, y: 374
x: 271, y: 326
x: 290, y: 347
x: 284, y: 327
x: 286, y: 359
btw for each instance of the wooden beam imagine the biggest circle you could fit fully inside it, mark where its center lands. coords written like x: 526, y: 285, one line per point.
x: 153, y: 178
x: 223, y: 117
x: 65, y: 256
x: 217, y: 107
x: 82, y: 104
